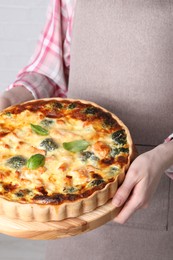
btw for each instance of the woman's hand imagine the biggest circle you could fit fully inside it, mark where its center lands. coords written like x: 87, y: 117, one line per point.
x: 14, y: 96
x: 141, y: 180
x: 4, y: 102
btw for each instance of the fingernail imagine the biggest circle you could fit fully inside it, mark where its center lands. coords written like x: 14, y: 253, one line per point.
x: 116, y: 202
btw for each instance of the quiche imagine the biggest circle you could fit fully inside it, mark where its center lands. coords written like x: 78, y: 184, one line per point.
x: 60, y: 158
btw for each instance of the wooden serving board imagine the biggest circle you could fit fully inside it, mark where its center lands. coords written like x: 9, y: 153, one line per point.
x: 58, y: 229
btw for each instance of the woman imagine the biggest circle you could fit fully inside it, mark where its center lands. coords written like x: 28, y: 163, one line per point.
x: 120, y: 56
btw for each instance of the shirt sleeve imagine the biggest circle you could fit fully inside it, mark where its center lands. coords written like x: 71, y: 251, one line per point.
x: 46, y: 75
x: 169, y: 171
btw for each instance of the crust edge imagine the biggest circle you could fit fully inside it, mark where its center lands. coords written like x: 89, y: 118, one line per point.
x: 44, y: 213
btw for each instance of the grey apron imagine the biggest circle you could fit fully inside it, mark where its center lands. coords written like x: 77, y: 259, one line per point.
x: 122, y: 59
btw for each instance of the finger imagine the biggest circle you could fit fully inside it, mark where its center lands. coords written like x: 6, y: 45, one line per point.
x: 125, y: 213
x: 130, y: 207
x: 4, y: 102
x: 138, y: 199
x: 125, y: 189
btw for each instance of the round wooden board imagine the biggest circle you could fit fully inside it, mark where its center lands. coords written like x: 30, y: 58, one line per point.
x: 58, y: 229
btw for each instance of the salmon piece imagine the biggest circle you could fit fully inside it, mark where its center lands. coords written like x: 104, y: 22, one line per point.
x: 83, y: 174
x: 60, y: 122
x: 58, y: 133
x: 86, y: 123
x: 29, y: 148
x: 29, y: 132
x: 25, y: 181
x: 42, y: 169
x: 50, y: 158
x: 36, y: 150
x: 6, y: 146
x: 26, y: 171
x: 64, y: 133
x: 2, y: 176
x: 17, y: 174
x: 80, y: 176
x: 13, y: 137
x: 101, y: 149
x: 63, y: 167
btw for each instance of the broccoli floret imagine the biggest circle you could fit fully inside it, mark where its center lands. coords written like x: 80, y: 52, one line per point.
x: 91, y: 110
x: 49, y: 144
x: 96, y: 182
x: 88, y: 155
x: 70, y: 190
x: 47, y: 122
x: 72, y: 106
x: 119, y: 137
x: 16, y: 162
x: 116, y: 151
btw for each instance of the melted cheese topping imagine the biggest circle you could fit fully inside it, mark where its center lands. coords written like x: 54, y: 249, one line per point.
x: 63, y: 171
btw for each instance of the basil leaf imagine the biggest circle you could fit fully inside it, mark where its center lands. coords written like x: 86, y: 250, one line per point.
x: 35, y: 161
x: 39, y: 130
x: 76, y: 146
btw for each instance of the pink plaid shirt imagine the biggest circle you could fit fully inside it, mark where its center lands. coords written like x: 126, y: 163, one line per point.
x: 46, y: 75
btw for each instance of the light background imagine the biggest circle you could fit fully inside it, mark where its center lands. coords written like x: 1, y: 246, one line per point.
x: 20, y: 24
x: 21, y: 21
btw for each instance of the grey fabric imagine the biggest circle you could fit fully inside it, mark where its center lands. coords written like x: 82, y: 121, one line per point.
x: 113, y: 243
x: 122, y: 59
x: 170, y: 209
